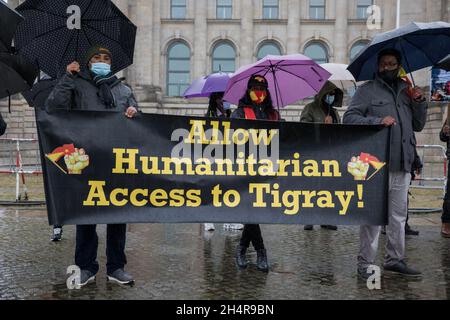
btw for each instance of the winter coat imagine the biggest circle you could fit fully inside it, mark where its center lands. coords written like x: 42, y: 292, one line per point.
x: 376, y: 100
x: 2, y: 125
x: 80, y: 92
x: 315, y: 111
x: 262, y: 112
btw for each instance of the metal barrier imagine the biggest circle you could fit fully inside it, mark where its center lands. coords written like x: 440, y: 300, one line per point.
x: 12, y: 162
x: 434, y: 173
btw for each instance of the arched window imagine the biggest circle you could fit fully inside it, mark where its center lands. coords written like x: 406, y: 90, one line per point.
x: 223, y: 58
x: 178, y: 69
x: 317, y: 51
x: 356, y: 48
x: 268, y: 48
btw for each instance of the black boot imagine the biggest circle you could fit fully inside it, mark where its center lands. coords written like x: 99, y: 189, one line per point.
x: 241, y: 260
x: 261, y: 260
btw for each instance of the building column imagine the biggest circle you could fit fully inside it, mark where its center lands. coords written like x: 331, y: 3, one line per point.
x: 201, y: 34
x: 247, y: 36
x: 156, y: 45
x: 341, y: 34
x: 293, y: 28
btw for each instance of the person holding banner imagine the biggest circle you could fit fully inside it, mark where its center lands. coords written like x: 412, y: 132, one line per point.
x: 322, y: 110
x: 445, y: 137
x: 256, y: 104
x: 217, y: 108
x: 389, y: 101
x: 2, y: 125
x: 100, y: 90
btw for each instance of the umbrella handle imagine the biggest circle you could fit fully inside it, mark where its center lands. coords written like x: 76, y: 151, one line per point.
x: 407, y: 63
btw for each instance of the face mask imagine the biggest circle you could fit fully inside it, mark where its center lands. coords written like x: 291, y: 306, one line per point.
x: 226, y: 106
x: 258, y: 96
x: 329, y: 99
x: 389, y: 75
x: 101, y: 69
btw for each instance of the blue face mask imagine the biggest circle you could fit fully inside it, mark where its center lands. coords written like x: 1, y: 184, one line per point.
x: 226, y: 105
x: 329, y: 100
x: 101, y: 69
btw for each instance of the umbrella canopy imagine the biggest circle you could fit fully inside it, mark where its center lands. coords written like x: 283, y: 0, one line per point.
x: 340, y: 76
x: 205, y: 86
x: 9, y: 20
x: 290, y: 78
x: 444, y: 63
x: 421, y: 45
x: 39, y: 93
x: 44, y: 36
x: 16, y: 75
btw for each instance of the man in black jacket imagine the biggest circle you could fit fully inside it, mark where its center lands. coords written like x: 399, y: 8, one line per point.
x: 2, y: 125
x: 445, y: 232
x: 97, y: 89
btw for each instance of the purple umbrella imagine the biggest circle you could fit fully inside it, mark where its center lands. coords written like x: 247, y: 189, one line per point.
x: 291, y: 78
x: 203, y: 87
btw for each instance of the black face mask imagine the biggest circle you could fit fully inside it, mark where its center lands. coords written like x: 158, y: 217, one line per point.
x: 389, y: 76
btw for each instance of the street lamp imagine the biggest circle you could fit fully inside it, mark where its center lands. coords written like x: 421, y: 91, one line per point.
x: 398, y: 13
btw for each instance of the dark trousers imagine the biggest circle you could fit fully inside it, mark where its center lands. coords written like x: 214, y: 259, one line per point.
x: 446, y: 206
x: 87, y: 244
x: 252, y: 233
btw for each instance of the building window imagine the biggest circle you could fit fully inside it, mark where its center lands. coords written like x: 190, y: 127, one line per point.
x: 361, y: 9
x: 356, y: 48
x: 178, y: 69
x: 317, y: 9
x: 178, y: 9
x: 224, y: 9
x: 317, y: 51
x: 223, y: 58
x: 268, y: 48
x: 270, y: 9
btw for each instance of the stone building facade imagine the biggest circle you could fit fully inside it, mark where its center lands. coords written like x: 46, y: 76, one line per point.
x: 205, y: 34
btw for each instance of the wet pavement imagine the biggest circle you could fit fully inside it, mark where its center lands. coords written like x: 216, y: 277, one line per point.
x: 180, y: 261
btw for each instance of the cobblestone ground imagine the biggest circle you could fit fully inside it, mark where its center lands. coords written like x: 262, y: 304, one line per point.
x: 178, y: 261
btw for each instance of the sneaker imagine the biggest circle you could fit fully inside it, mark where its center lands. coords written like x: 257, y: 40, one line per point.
x: 445, y: 230
x: 209, y: 227
x: 57, y: 234
x: 120, y: 276
x: 233, y: 226
x: 329, y: 227
x: 410, y: 232
x: 401, y: 268
x: 86, y: 276
x: 363, y: 273
x: 309, y: 227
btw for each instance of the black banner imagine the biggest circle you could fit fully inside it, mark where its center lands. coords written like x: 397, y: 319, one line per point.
x: 101, y: 167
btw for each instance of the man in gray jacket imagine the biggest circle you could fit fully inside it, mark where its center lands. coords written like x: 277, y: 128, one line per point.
x: 389, y: 101
x: 96, y: 89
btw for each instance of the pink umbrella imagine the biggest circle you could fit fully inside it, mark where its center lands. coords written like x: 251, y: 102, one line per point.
x: 291, y: 78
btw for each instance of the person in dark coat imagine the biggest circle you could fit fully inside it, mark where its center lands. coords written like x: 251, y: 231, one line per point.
x: 322, y: 110
x: 217, y: 108
x: 445, y: 231
x: 256, y: 104
x: 96, y: 89
x: 2, y: 125
x: 387, y: 100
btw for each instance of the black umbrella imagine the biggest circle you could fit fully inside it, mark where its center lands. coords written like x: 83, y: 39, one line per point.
x: 16, y: 74
x: 39, y: 93
x: 421, y: 44
x: 9, y: 20
x: 444, y: 63
x: 49, y: 35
